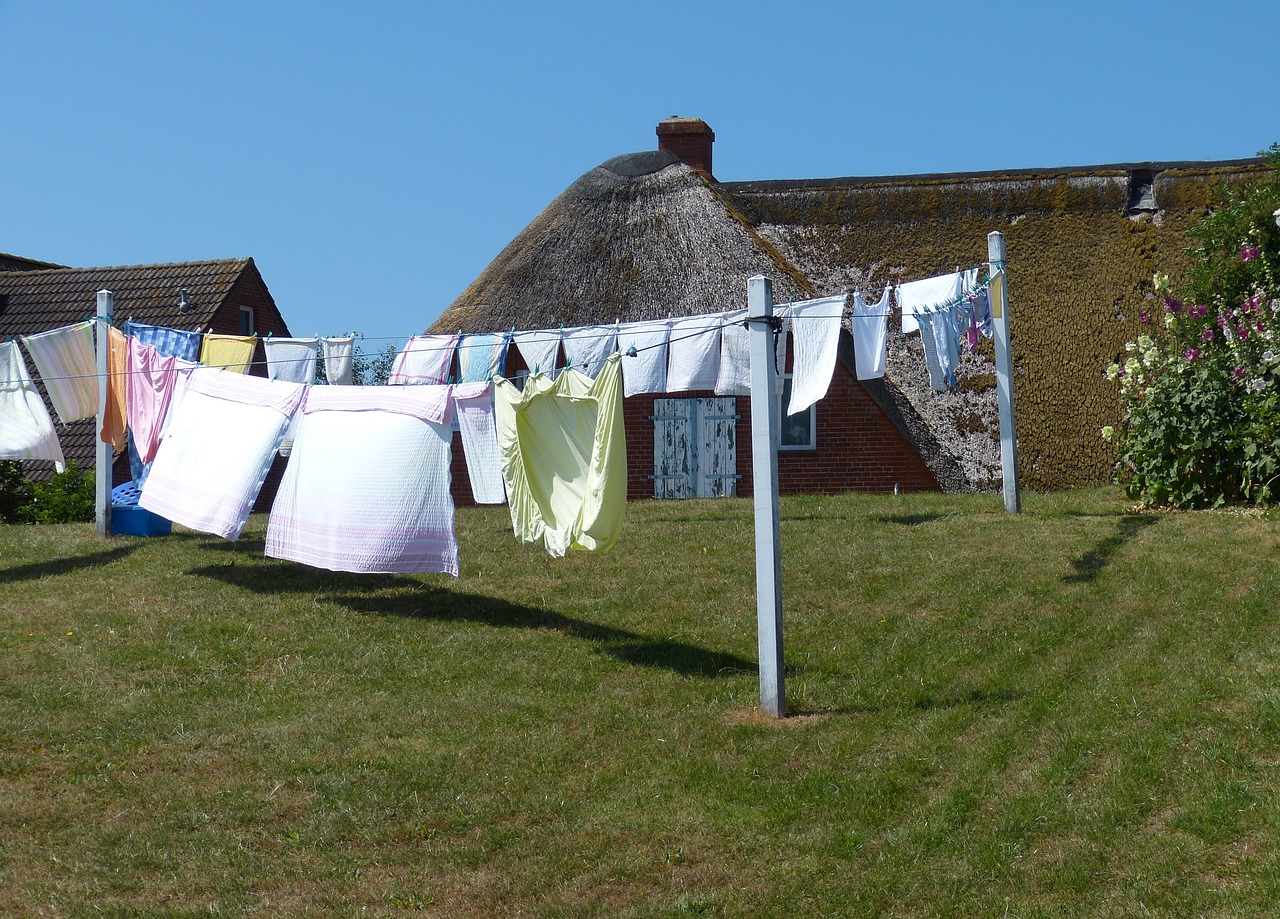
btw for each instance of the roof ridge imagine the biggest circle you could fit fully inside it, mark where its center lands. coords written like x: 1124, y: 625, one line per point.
x: 241, y: 261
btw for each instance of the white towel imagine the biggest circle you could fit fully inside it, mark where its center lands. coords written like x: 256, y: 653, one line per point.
x: 647, y: 371
x: 473, y: 405
x: 425, y: 360
x: 586, y: 348
x: 540, y: 349
x: 693, y: 354
x: 292, y: 359
x: 870, y: 323
x: 734, y: 378
x: 815, y: 331
x: 367, y: 487
x: 26, y: 430
x: 203, y: 476
x: 338, y: 355
x: 64, y: 359
x: 915, y: 296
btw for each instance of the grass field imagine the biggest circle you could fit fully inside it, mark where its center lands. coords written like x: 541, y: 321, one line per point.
x: 1074, y: 712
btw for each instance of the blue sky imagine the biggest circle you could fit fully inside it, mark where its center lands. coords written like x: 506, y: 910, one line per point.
x: 373, y: 159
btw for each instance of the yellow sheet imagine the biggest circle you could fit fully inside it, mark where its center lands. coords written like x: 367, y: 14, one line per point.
x: 234, y: 352
x: 564, y: 458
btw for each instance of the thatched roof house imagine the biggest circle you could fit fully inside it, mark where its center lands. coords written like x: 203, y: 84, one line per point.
x: 654, y: 234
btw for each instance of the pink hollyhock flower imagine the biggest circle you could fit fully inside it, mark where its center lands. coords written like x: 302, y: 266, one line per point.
x: 1144, y: 316
x: 1207, y: 335
x: 1202, y: 310
x: 1172, y: 305
x: 1248, y: 253
x: 1192, y: 354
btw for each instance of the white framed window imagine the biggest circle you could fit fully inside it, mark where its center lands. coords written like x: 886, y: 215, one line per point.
x: 246, y: 321
x: 799, y: 431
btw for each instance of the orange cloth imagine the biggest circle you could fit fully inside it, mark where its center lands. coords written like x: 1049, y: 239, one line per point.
x: 113, y: 424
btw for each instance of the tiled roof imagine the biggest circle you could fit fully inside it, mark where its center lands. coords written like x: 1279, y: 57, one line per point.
x: 36, y: 301
x: 49, y: 298
x: 18, y: 263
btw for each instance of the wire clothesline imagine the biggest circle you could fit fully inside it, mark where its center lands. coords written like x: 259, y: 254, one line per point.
x: 606, y: 332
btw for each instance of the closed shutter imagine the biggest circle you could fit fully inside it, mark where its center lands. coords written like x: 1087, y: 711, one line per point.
x: 695, y: 448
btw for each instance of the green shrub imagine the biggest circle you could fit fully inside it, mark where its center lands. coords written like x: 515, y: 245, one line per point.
x: 1200, y: 390
x: 65, y: 497
x: 15, y: 490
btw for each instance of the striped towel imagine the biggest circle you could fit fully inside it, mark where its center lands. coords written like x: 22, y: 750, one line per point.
x: 426, y: 359
x: 26, y: 430
x: 483, y: 357
x: 367, y: 487
x: 203, y: 477
x: 64, y: 359
x: 473, y: 403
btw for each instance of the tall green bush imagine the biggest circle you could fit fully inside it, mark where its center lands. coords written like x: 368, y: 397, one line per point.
x: 1200, y: 387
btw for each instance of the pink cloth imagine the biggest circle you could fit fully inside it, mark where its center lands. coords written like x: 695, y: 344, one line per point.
x: 148, y: 392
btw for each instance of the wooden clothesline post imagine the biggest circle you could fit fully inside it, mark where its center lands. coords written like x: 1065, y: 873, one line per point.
x: 104, y: 454
x: 765, y: 431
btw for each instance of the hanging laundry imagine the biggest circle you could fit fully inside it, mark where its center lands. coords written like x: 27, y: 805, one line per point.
x: 113, y: 425
x: 693, y: 352
x: 139, y: 470
x: 937, y: 379
x: 169, y: 342
x: 150, y: 385
x: 982, y: 311
x: 425, y: 360
x: 64, y: 359
x: 564, y: 458
x: 646, y: 371
x: 483, y: 357
x: 915, y: 296
x: 228, y: 352
x: 734, y: 376
x: 870, y: 324
x: 586, y: 348
x: 26, y: 430
x: 540, y: 350
x: 206, y: 480
x: 815, y: 332
x: 473, y: 407
x: 292, y: 359
x: 338, y: 358
x: 367, y: 488
x: 946, y: 335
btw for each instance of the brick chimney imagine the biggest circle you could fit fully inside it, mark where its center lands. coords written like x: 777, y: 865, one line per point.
x: 690, y: 139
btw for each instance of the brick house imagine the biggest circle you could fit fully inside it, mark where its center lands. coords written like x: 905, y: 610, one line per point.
x: 226, y: 296
x: 655, y: 234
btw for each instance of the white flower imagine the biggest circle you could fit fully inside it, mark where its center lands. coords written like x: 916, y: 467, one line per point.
x: 1258, y: 384
x: 1113, y: 371
x: 1108, y: 433
x: 1130, y: 346
x: 1160, y: 282
x: 1268, y: 356
x: 1149, y: 358
x: 1168, y: 320
x: 1132, y: 365
x: 1145, y: 342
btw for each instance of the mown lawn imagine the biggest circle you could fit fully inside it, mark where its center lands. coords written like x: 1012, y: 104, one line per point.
x: 1074, y: 712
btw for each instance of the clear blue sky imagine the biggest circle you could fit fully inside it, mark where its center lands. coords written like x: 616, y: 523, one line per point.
x: 373, y: 158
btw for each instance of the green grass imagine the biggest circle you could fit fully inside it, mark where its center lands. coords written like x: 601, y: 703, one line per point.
x: 1073, y: 712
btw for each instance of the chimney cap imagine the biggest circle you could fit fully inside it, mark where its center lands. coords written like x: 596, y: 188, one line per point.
x: 677, y: 125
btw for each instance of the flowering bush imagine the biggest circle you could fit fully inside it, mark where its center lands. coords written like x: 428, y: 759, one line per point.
x: 1200, y: 387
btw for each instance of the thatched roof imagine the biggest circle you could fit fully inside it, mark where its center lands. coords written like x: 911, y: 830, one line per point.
x: 639, y: 237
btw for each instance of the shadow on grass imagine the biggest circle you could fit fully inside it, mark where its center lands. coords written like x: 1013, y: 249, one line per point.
x: 57, y: 566
x: 908, y: 520
x: 1087, y: 567
x: 363, y: 594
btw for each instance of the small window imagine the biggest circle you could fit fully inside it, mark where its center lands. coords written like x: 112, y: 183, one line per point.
x: 799, y: 431
x: 246, y: 320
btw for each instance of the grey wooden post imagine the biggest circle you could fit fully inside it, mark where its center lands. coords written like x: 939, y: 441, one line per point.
x: 765, y: 431
x: 105, y: 455
x: 1004, y: 372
